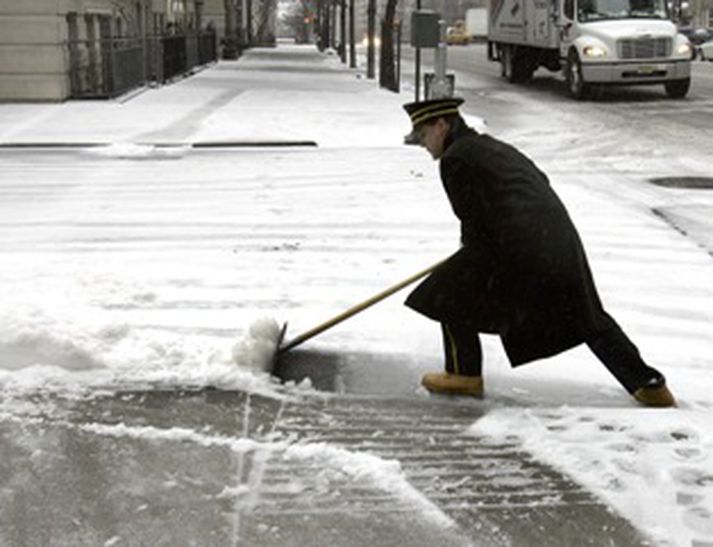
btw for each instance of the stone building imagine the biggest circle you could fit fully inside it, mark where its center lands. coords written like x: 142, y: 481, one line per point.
x: 51, y: 50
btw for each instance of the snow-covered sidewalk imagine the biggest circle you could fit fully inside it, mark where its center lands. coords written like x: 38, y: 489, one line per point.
x: 134, y: 264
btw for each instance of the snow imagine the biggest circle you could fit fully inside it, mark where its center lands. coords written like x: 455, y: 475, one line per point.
x: 137, y: 263
x: 257, y: 350
x: 652, y: 467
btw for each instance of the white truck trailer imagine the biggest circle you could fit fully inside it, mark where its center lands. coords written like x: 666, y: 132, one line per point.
x: 593, y: 41
x: 476, y: 23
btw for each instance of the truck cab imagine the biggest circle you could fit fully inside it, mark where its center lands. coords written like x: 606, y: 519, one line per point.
x: 622, y: 42
x: 595, y: 42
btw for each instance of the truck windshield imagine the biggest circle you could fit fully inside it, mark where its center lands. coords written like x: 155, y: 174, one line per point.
x: 598, y: 10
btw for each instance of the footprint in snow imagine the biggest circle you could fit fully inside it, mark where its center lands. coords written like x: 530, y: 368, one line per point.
x: 685, y: 499
x: 623, y: 447
x: 688, y: 453
x: 612, y: 427
x: 549, y: 415
x: 627, y: 466
x: 692, y: 478
x: 678, y: 435
x: 696, y: 515
x: 699, y: 519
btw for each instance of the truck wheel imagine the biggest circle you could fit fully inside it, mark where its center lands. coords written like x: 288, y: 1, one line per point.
x: 507, y: 58
x: 677, y: 89
x: 513, y: 67
x: 578, y: 89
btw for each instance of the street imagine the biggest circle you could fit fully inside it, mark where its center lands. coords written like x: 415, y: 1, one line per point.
x: 479, y: 79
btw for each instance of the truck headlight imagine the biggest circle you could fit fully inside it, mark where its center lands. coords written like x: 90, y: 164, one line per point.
x: 684, y: 49
x: 594, y: 52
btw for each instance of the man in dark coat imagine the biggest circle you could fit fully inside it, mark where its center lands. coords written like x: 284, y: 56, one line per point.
x: 521, y: 271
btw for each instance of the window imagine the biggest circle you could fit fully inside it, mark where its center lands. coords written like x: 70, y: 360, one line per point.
x: 569, y: 9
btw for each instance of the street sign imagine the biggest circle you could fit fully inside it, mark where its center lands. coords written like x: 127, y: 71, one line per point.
x: 425, y: 31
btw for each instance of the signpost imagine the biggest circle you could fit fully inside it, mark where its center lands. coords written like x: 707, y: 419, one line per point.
x: 428, y: 30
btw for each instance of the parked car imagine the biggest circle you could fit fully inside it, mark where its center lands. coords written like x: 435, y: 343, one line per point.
x: 457, y: 35
x: 697, y: 35
x: 705, y: 51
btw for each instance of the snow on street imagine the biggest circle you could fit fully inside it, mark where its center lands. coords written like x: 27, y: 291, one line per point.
x: 139, y: 265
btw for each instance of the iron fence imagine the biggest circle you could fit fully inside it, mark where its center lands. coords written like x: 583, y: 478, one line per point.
x: 174, y: 56
x: 124, y: 66
x: 110, y: 67
x: 207, y: 48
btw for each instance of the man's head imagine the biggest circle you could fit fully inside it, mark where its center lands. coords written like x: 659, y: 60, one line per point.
x: 431, y: 121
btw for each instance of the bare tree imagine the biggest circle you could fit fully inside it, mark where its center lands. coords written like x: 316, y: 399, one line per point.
x: 387, y: 74
x: 230, y: 40
x: 299, y: 19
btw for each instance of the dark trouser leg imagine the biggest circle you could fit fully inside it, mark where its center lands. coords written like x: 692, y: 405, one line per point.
x: 622, y: 358
x: 462, y: 350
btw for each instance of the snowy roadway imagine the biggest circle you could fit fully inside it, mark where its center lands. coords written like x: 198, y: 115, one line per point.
x: 130, y: 272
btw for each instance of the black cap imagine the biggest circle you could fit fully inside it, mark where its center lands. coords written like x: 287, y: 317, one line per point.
x: 422, y: 111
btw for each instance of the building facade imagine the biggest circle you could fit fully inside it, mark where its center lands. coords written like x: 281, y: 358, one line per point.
x: 51, y: 50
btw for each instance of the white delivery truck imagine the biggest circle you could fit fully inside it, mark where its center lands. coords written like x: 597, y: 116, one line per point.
x: 476, y: 23
x: 593, y: 41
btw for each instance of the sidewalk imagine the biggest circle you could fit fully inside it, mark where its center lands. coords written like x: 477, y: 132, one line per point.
x: 197, y: 468
x: 129, y: 269
x: 265, y: 87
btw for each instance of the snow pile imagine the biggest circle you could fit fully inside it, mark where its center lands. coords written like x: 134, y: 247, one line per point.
x: 68, y: 352
x: 71, y: 326
x: 256, y: 350
x: 32, y: 338
x: 128, y: 150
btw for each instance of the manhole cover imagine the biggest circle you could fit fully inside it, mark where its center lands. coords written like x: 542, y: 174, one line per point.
x: 684, y: 182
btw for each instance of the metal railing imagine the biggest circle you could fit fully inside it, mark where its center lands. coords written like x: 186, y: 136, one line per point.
x: 110, y: 67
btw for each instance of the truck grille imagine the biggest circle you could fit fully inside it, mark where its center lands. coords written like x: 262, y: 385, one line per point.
x: 644, y: 48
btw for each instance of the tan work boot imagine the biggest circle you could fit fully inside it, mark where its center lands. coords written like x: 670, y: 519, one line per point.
x: 453, y: 384
x: 657, y: 396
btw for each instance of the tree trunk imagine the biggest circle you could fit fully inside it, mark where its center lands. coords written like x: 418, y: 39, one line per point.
x: 230, y: 42
x: 370, y: 32
x: 343, y: 30
x: 352, y: 38
x: 387, y: 75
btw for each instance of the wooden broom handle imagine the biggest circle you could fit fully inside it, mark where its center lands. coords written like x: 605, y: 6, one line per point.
x: 356, y: 309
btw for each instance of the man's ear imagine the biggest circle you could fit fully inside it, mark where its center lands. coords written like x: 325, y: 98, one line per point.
x: 443, y: 126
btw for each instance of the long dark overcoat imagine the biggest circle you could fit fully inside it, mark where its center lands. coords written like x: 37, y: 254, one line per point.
x: 522, y: 271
